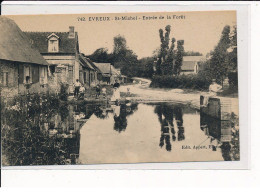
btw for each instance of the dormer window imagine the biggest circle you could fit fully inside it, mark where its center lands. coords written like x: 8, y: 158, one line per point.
x: 53, y: 43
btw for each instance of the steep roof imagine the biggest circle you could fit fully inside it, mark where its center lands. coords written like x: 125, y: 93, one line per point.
x: 84, y: 62
x: 93, y: 65
x: 15, y: 45
x: 39, y: 40
x: 190, y: 61
x: 106, y: 68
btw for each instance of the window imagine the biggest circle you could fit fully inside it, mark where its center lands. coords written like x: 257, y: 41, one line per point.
x: 4, y: 79
x: 43, y: 75
x: 85, y: 77
x: 91, y: 77
x: 27, y: 75
x: 52, y: 69
x: 53, y: 45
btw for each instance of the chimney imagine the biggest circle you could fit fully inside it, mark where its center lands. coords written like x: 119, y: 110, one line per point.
x: 71, y: 32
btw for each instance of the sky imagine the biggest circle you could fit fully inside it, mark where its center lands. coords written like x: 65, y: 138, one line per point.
x: 200, y: 30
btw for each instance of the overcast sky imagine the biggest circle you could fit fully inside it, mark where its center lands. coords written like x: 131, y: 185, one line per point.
x: 200, y: 30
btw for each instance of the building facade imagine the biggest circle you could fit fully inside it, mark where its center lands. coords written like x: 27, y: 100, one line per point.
x: 22, y: 68
x: 61, y: 51
x: 108, y: 74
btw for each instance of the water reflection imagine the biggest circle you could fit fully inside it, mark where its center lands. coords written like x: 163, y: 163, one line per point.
x: 153, y: 133
x: 64, y: 127
x: 120, y: 115
x: 120, y: 112
x: 223, y: 135
x: 166, y: 115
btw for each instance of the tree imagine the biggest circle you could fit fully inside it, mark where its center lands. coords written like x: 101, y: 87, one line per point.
x: 179, y: 57
x: 191, y: 53
x: 145, y: 67
x: 120, y: 48
x: 119, y: 44
x: 168, y: 67
x: 101, y: 55
x: 124, y: 58
x: 219, y: 62
x: 233, y: 50
x: 166, y: 54
x: 232, y: 60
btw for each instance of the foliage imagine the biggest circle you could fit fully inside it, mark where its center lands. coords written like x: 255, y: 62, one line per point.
x: 24, y: 141
x: 64, y: 91
x: 124, y: 58
x: 222, y: 62
x: 219, y: 57
x: 164, y: 64
x: 119, y: 45
x: 182, y: 81
x: 179, y: 57
x: 191, y: 53
x: 232, y: 56
x: 145, y: 67
x: 101, y: 55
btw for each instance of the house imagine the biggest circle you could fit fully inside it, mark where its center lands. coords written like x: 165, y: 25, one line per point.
x: 22, y: 68
x: 88, y: 72
x: 122, y: 78
x: 108, y: 74
x: 61, y: 51
x: 192, y: 64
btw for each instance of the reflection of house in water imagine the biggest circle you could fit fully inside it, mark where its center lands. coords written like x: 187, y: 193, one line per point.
x: 65, y: 126
x: 221, y: 136
x: 166, y: 115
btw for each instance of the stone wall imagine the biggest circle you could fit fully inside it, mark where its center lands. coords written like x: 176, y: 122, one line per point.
x: 12, y: 88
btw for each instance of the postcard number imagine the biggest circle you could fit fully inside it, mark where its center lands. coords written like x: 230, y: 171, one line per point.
x: 81, y: 19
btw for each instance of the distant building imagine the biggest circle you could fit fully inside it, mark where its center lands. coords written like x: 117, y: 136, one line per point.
x: 108, y: 74
x: 192, y: 64
x: 22, y: 68
x: 122, y: 78
x: 61, y: 51
x: 96, y: 74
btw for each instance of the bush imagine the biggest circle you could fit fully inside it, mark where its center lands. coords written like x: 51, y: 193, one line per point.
x: 24, y: 140
x: 64, y: 92
x: 197, y: 81
x: 233, y: 80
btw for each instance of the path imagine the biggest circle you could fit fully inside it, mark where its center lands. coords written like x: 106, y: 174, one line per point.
x: 144, y: 93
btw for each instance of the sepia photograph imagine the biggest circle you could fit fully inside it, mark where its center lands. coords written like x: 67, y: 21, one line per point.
x: 119, y: 88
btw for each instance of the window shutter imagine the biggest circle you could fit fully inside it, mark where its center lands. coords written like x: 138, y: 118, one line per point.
x: 7, y: 84
x: 20, y: 74
x: 1, y: 78
x: 35, y: 74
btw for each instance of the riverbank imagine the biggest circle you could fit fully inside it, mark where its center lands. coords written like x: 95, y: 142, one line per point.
x: 143, y: 93
x: 91, y: 94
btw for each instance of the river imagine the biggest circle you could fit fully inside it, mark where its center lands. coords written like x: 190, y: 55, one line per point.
x: 140, y: 131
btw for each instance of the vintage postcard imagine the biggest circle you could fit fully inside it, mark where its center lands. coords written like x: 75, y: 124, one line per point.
x: 119, y: 88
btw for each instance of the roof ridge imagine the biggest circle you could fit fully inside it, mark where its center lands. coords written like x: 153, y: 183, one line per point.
x: 44, y: 32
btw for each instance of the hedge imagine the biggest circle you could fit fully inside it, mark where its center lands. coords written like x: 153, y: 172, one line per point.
x: 197, y: 81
